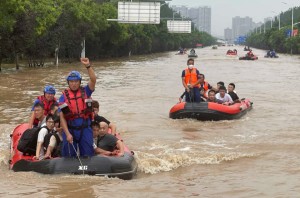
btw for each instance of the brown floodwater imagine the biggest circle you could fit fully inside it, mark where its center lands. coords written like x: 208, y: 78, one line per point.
x: 255, y: 156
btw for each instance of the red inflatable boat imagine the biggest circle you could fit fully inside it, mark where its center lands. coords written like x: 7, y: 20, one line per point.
x: 248, y: 58
x: 122, y: 167
x: 210, y: 111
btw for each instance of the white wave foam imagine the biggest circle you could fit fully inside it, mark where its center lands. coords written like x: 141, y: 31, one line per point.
x: 167, y: 161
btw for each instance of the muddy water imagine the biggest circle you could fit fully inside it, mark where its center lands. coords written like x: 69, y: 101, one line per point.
x: 255, y: 156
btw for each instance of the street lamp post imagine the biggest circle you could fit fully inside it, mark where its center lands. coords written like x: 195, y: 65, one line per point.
x: 292, y: 21
x: 279, y: 21
x: 271, y: 22
x: 292, y: 33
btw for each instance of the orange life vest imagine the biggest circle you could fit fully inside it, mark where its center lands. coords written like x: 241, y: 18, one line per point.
x: 205, y: 87
x: 191, y: 77
x: 76, y: 103
x: 47, y: 104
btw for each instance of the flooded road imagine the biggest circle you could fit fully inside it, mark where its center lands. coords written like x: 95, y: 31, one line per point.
x: 255, y: 156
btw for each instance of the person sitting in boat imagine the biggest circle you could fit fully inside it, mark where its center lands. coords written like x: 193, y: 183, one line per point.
x: 235, y: 51
x: 99, y: 118
x: 47, y: 100
x: 204, y: 85
x: 250, y: 54
x: 232, y: 93
x: 54, y: 109
x: 272, y: 53
x: 190, y: 81
x: 106, y: 144
x: 219, y: 84
x: 180, y: 50
x: 211, y: 96
x: 76, y: 112
x: 49, y: 128
x: 229, y: 51
x: 223, y: 97
x: 39, y: 115
x: 52, y: 141
x: 202, y: 92
x: 192, y: 51
x: 247, y: 48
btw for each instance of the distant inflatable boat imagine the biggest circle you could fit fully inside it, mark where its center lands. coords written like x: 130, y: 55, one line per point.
x: 193, y: 55
x: 206, y: 111
x: 269, y: 56
x: 112, y: 166
x: 248, y: 58
x: 231, y: 54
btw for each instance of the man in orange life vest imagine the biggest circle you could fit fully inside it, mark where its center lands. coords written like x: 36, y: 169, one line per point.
x: 47, y: 100
x: 190, y: 80
x: 76, y: 111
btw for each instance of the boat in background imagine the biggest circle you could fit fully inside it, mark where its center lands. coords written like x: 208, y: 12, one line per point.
x: 231, y: 53
x: 248, y: 57
x: 271, y: 54
x: 207, y: 111
x: 192, y: 55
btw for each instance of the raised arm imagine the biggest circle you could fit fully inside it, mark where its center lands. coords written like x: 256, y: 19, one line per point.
x: 92, y: 75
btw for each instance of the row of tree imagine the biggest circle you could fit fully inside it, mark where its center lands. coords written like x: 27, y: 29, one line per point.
x: 279, y: 39
x: 38, y: 29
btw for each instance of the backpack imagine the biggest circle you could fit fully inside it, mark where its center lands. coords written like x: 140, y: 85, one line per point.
x: 28, y: 141
x: 56, y: 151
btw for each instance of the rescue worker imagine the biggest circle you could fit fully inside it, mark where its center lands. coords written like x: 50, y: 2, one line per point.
x: 76, y: 112
x: 250, y: 54
x: 47, y: 100
x: 190, y: 81
x: 204, y: 85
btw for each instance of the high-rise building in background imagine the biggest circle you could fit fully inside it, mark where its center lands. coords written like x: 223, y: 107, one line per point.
x: 200, y: 16
x: 241, y: 26
x: 228, y: 36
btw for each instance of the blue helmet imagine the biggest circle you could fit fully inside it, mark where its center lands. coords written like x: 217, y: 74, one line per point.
x: 74, y: 75
x: 49, y: 89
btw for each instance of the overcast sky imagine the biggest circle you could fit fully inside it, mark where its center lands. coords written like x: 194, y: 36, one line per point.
x: 224, y: 10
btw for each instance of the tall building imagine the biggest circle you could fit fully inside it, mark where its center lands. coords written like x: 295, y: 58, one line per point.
x: 228, y: 36
x: 241, y: 26
x: 200, y: 16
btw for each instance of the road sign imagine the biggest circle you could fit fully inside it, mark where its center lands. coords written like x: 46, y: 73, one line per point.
x: 139, y: 12
x: 179, y: 26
